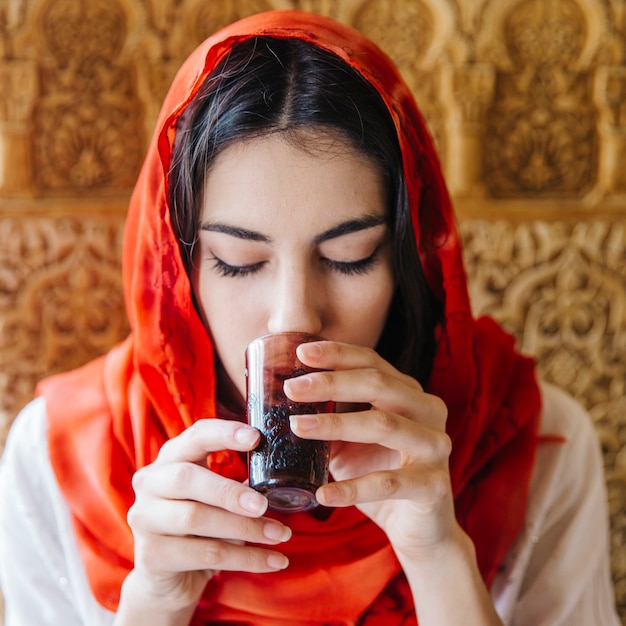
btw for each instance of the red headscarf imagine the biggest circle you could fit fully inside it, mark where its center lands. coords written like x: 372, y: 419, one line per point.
x: 111, y: 417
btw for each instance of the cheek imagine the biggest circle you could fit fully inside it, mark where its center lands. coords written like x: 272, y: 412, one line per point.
x: 229, y: 315
x: 363, y: 308
x: 225, y: 327
x: 379, y: 309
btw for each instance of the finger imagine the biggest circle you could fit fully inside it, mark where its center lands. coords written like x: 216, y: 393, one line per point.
x: 426, y: 485
x: 188, y: 481
x: 371, y: 386
x: 185, y: 518
x: 208, y: 435
x: 413, y: 439
x: 333, y: 355
x: 184, y: 554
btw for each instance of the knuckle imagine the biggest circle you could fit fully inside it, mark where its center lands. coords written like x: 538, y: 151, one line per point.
x: 146, y: 557
x: 334, y: 421
x: 430, y: 486
x: 371, y: 355
x: 246, y: 528
x: 143, y: 560
x: 389, y: 483
x: 439, y: 483
x: 349, y: 492
x: 164, y: 450
x: 439, y: 408
x: 252, y: 560
x: 181, y: 475
x: 133, y: 516
x: 225, y: 493
x: 214, y: 553
x: 444, y: 446
x: 195, y: 432
x: 376, y: 380
x: 327, y: 378
x: 433, y: 483
x: 384, y: 422
x: 138, y: 479
x: 366, y: 354
x: 339, y: 349
x: 189, y: 517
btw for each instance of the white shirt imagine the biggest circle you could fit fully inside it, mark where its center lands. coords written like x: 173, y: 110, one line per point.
x: 556, y: 573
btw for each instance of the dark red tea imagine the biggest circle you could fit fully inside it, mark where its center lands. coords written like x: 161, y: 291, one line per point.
x: 284, y: 467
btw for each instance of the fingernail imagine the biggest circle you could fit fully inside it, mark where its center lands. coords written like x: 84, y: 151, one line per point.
x: 277, y: 532
x: 304, y: 422
x: 277, y: 561
x: 330, y: 494
x: 246, y: 436
x: 253, y: 502
x: 312, y: 350
x: 302, y: 383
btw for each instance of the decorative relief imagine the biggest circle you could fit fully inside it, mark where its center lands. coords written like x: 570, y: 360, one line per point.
x: 413, y: 36
x: 18, y: 93
x: 184, y: 25
x: 470, y: 89
x: 472, y: 92
x: 612, y: 94
x: 61, y: 300
x: 88, y: 127
x: 542, y: 138
x: 208, y: 17
x: 560, y: 288
x: 611, y: 99
x: 330, y: 8
x: 404, y: 30
x: 153, y: 81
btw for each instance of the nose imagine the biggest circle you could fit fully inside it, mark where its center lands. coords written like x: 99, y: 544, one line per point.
x: 297, y: 304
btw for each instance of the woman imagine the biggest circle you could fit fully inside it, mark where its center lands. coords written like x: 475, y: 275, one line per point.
x: 302, y: 193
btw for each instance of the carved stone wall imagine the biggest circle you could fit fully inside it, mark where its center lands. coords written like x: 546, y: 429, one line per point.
x: 526, y: 100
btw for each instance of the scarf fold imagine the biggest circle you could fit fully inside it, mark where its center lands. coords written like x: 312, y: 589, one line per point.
x: 111, y: 417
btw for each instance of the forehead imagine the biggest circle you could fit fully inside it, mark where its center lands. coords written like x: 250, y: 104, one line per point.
x: 313, y: 177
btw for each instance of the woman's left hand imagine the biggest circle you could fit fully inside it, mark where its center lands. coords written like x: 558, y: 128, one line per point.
x: 391, y: 459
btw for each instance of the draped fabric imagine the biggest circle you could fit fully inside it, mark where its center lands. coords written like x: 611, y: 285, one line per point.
x: 110, y: 418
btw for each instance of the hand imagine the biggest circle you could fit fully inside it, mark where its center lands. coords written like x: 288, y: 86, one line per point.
x: 390, y: 460
x: 189, y: 523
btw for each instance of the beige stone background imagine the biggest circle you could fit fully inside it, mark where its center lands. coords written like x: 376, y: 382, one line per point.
x: 526, y: 100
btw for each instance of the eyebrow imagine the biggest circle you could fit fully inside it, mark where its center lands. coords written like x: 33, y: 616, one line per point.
x: 351, y: 226
x: 235, y: 231
x: 345, y: 228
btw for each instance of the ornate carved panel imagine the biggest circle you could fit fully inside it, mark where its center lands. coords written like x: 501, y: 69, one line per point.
x: 88, y: 118
x: 413, y: 34
x: 18, y: 93
x: 611, y: 98
x: 543, y: 106
x: 560, y: 288
x: 61, y: 300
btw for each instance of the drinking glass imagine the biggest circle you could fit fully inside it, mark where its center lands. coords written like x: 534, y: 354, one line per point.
x: 284, y: 467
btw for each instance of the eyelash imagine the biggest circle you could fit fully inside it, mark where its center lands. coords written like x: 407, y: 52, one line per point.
x: 235, y: 271
x: 352, y: 268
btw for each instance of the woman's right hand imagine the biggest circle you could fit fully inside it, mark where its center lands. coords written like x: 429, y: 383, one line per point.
x: 189, y: 523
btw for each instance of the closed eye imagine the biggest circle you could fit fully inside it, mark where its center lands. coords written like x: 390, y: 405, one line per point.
x: 347, y: 268
x: 235, y: 271
x: 353, y: 268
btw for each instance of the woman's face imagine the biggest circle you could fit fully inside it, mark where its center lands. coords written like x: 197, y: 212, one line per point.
x: 292, y: 240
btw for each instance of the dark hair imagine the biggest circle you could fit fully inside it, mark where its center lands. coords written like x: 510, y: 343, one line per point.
x: 270, y: 85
